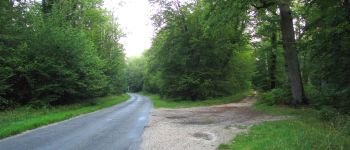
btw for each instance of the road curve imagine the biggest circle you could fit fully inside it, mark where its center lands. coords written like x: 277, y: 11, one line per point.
x: 115, y: 128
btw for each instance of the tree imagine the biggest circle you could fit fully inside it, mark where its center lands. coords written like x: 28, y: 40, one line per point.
x: 53, y: 52
x: 288, y: 39
x: 135, y: 73
x: 268, y: 50
x: 200, y: 52
x: 292, y: 62
x: 325, y: 45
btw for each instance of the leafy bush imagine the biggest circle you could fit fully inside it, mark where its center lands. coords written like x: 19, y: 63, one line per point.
x: 276, y: 96
x: 92, y: 103
x: 337, y: 97
x: 347, y: 126
x: 5, y: 104
x: 329, y: 95
x: 328, y: 113
x: 313, y: 95
x: 39, y: 104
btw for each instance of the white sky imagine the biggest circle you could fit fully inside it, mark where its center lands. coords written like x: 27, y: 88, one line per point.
x: 134, y: 19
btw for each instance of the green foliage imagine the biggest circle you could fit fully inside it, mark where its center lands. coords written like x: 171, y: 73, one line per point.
x: 347, y: 126
x: 327, y: 96
x: 314, y: 95
x: 63, y: 51
x: 5, y: 104
x: 325, y: 48
x: 270, y: 63
x: 304, y: 132
x: 194, y: 57
x: 322, y: 31
x: 65, y: 66
x: 135, y: 73
x: 153, y: 80
x: 61, y: 56
x: 328, y: 113
x: 276, y: 97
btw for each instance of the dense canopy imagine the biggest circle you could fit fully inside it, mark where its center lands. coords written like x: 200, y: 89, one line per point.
x: 291, y: 51
x: 58, y: 52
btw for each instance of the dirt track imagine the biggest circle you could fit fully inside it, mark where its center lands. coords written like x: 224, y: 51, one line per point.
x: 200, y: 128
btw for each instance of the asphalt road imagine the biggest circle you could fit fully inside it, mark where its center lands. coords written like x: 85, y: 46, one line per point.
x: 115, y: 128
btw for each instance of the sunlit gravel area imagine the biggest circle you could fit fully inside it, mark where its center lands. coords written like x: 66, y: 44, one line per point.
x: 200, y: 128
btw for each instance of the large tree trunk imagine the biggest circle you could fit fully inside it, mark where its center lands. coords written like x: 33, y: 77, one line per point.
x: 292, y: 62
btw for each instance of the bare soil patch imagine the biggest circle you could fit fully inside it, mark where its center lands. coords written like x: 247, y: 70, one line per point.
x: 200, y: 128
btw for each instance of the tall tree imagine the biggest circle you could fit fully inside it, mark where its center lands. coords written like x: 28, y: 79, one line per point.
x: 54, y: 53
x: 291, y: 56
x: 200, y: 51
x: 289, y: 45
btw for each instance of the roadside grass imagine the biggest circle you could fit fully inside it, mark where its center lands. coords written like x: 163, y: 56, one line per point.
x: 26, y: 118
x: 161, y: 102
x: 305, y: 131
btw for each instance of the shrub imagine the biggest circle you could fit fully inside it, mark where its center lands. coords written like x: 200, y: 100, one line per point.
x: 92, y: 102
x: 328, y: 113
x: 314, y: 95
x: 276, y: 96
x: 347, y: 126
x: 39, y: 104
x: 5, y: 103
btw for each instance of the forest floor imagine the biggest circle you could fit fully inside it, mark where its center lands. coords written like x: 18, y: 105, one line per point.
x: 201, y: 128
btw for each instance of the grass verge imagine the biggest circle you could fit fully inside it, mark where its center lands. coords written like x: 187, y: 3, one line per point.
x: 305, y: 132
x: 25, y: 118
x: 161, y: 102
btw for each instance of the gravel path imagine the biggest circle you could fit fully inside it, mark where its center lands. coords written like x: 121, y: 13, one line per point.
x: 200, y: 128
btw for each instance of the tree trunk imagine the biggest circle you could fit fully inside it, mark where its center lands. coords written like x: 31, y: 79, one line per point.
x: 47, y: 5
x: 346, y: 4
x: 291, y: 58
x: 273, y: 60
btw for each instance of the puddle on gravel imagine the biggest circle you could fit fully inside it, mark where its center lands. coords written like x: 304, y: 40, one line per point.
x: 202, y: 135
x: 176, y: 117
x: 198, y: 122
